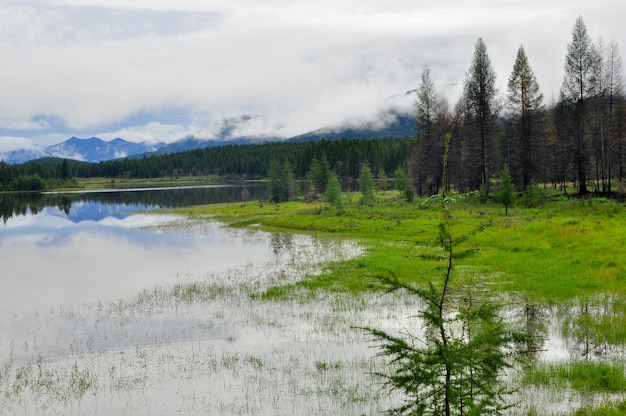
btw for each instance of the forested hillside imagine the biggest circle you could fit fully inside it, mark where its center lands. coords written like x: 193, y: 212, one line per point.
x: 250, y: 161
x: 253, y: 161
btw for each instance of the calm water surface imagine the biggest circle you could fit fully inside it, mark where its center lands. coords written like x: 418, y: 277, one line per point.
x: 67, y: 248
x: 107, y: 311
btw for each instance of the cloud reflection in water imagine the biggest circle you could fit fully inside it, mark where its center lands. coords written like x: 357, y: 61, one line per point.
x: 48, y: 260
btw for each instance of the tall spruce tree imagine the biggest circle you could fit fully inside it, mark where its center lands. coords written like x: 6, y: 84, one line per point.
x: 333, y: 191
x: 428, y: 147
x: 614, y: 92
x: 280, y: 181
x: 600, y: 116
x: 525, y: 107
x: 319, y: 173
x: 579, y: 86
x: 480, y: 95
x: 617, y: 112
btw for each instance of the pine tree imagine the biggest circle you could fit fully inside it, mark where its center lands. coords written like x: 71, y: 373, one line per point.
x: 431, y: 119
x: 579, y: 86
x: 403, y: 185
x: 614, y: 92
x: 65, y: 172
x: 333, y: 191
x: 319, y: 174
x: 480, y: 96
x: 617, y: 112
x: 524, y: 101
x: 427, y: 104
x: 280, y: 181
x: 366, y: 185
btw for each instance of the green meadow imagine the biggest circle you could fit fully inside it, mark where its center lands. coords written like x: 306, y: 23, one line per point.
x: 562, y: 250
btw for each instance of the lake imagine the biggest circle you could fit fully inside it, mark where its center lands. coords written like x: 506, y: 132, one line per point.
x: 64, y: 248
x: 109, y: 307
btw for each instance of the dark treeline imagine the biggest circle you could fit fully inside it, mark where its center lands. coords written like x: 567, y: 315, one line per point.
x: 345, y: 157
x: 253, y: 161
x: 36, y: 176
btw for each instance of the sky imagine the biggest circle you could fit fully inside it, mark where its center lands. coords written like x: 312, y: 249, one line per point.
x: 161, y: 70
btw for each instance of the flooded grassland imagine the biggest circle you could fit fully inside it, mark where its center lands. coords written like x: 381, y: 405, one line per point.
x: 164, y: 314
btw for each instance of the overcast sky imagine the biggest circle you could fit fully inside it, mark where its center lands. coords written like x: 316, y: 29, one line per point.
x: 164, y: 69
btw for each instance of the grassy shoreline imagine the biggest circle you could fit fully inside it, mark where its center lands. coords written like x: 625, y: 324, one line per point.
x: 94, y: 184
x: 559, y: 251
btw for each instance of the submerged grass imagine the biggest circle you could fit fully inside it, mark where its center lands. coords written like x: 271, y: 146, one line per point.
x: 600, y: 322
x: 606, y: 409
x: 202, y: 345
x: 560, y: 253
x: 582, y: 376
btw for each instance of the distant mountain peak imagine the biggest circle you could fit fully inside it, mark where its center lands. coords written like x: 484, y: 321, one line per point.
x: 92, y: 149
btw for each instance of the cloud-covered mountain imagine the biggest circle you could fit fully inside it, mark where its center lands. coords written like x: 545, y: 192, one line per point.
x: 87, y: 150
x: 394, y: 124
x: 229, y: 131
x: 394, y: 118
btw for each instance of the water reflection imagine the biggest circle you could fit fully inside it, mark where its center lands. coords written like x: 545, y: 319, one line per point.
x: 152, y: 297
x: 94, y: 206
x: 534, y: 318
x: 49, y: 260
x: 588, y: 329
x: 65, y: 248
x: 595, y: 328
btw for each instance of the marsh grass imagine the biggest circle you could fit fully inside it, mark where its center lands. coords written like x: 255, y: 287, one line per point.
x: 205, y: 345
x: 606, y: 409
x: 551, y: 254
x: 582, y: 376
x: 601, y: 321
x: 560, y: 255
x: 232, y: 355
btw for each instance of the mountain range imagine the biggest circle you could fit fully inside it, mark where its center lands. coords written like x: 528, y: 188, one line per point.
x: 93, y: 149
x: 395, y: 119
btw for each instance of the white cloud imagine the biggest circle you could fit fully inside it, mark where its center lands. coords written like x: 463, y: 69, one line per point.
x: 150, y: 132
x: 95, y: 64
x: 10, y: 143
x: 24, y: 124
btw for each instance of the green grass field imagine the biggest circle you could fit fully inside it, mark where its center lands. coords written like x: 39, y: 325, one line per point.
x: 563, y: 250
